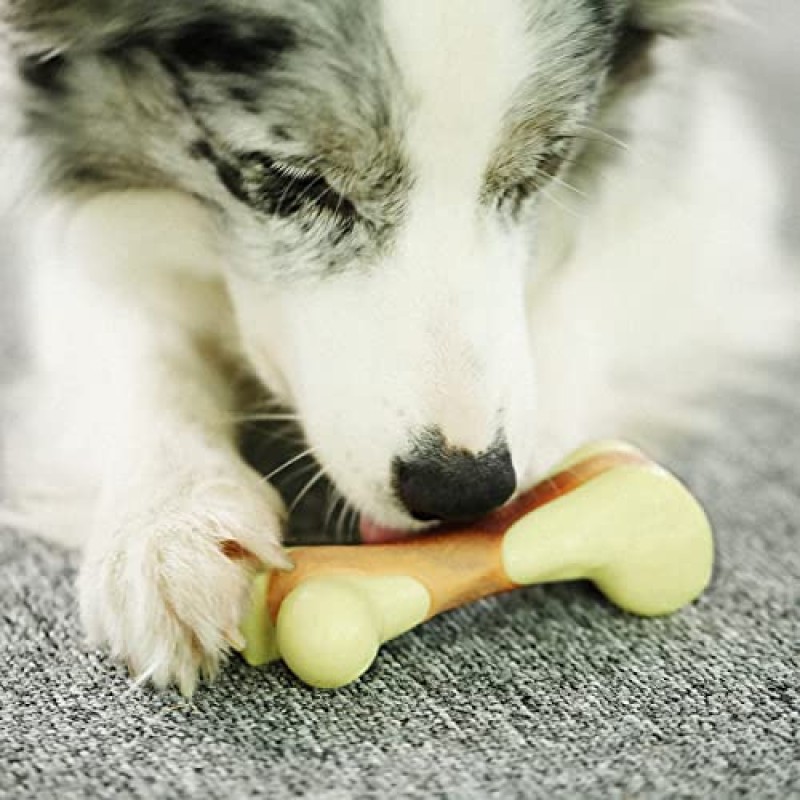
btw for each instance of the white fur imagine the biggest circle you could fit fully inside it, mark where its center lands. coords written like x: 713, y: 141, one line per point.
x: 140, y: 327
x: 677, y: 285
x: 140, y: 428
x: 447, y: 304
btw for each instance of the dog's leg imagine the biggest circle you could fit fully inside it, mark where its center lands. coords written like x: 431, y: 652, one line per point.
x: 181, y: 522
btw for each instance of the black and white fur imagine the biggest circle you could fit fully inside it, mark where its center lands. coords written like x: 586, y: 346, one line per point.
x: 533, y: 221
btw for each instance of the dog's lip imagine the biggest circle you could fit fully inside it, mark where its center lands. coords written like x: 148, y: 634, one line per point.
x: 374, y: 533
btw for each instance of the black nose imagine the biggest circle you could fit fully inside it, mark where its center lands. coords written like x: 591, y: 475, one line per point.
x: 452, y: 485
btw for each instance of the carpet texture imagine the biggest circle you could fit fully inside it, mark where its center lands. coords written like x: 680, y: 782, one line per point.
x: 549, y: 692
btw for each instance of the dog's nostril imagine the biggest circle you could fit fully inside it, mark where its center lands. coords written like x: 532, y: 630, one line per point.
x: 450, y: 485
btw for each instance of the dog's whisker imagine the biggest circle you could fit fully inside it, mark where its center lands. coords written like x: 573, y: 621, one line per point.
x: 340, y: 529
x: 338, y: 516
x: 606, y: 136
x: 332, y: 500
x: 302, y: 470
x: 307, y: 488
x: 561, y: 182
x: 594, y: 140
x: 293, y: 460
x: 563, y: 206
x: 352, y: 521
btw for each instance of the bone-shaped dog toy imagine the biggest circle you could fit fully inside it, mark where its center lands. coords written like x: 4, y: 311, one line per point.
x: 607, y: 514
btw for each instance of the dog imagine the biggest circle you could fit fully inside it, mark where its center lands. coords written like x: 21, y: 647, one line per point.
x: 451, y: 238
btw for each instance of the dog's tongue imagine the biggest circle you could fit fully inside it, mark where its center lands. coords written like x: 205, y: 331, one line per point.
x: 373, y: 533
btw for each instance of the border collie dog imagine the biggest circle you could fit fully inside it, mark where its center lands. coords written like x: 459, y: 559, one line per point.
x: 451, y: 237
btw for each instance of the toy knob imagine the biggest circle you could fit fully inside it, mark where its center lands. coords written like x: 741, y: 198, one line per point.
x: 327, y: 631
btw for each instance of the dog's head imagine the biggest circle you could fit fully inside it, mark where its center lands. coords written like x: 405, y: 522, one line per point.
x: 380, y: 170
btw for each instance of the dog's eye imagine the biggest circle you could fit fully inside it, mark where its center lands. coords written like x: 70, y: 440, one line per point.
x: 284, y: 189
x: 554, y: 158
x: 515, y: 196
x: 547, y: 166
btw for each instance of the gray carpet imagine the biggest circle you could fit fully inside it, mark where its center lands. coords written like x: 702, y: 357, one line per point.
x: 549, y: 692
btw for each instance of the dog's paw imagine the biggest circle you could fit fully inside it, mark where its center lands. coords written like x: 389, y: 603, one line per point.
x: 165, y: 590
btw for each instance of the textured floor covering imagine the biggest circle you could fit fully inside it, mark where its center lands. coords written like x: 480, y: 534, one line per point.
x: 549, y: 692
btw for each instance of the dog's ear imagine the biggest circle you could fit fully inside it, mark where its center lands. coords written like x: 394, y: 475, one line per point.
x: 674, y: 17
x: 60, y: 25
x: 648, y: 21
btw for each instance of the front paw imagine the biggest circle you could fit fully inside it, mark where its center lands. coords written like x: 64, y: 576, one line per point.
x: 165, y: 589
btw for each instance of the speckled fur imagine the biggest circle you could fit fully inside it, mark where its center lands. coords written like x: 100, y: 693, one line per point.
x: 533, y: 221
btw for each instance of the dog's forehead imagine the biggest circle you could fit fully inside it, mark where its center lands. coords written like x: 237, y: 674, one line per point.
x: 460, y: 65
x: 484, y: 76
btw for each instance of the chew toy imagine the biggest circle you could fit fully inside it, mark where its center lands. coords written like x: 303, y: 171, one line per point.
x: 607, y: 514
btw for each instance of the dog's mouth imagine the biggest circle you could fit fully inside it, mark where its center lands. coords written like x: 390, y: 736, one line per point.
x: 319, y: 511
x: 372, y: 532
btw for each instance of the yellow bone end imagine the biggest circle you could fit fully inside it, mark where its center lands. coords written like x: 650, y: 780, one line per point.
x: 329, y: 628
x: 635, y: 531
x: 256, y: 626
